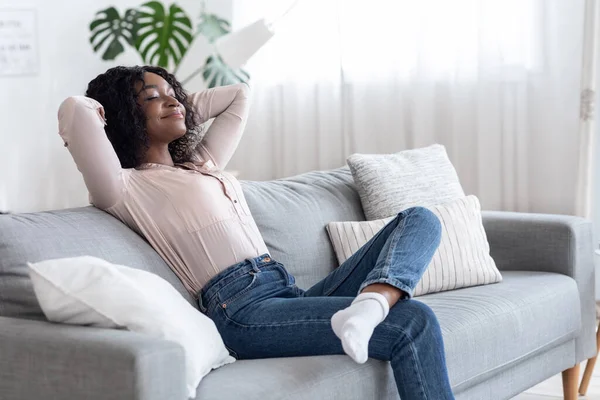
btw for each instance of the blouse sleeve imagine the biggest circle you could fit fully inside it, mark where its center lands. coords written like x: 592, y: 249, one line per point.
x: 229, y: 106
x: 81, y: 127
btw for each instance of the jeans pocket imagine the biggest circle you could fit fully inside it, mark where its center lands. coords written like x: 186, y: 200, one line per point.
x: 236, y: 288
x: 252, y: 288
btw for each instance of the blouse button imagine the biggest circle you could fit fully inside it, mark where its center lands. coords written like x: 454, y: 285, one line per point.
x: 235, y: 201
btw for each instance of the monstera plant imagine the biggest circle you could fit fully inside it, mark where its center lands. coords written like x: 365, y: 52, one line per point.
x: 162, y: 37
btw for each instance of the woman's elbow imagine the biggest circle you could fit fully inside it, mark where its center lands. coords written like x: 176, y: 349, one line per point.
x: 72, y: 103
x: 244, y: 88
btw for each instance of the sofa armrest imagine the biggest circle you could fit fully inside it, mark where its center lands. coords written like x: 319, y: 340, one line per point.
x: 550, y: 243
x: 42, y: 360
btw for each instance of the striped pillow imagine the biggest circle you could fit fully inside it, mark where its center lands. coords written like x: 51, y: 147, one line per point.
x: 462, y: 259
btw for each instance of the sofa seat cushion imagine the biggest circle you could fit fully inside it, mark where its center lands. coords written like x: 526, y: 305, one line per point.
x: 487, y: 329
x: 307, y: 378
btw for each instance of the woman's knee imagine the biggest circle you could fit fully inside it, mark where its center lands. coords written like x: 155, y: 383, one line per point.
x: 415, y: 315
x: 409, y: 322
x: 423, y: 217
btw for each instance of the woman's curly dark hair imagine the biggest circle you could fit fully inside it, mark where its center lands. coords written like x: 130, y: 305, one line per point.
x: 126, y: 123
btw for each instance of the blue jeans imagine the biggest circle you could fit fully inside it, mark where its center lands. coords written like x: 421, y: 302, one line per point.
x: 261, y: 313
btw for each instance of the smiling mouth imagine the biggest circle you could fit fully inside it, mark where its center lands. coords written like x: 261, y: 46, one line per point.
x: 176, y: 114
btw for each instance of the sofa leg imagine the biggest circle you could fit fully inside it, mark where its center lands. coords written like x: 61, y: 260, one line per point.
x: 570, y: 379
x: 587, y: 376
x: 589, y: 367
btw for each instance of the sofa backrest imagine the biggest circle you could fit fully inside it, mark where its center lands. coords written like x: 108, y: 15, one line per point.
x: 66, y: 233
x: 291, y: 214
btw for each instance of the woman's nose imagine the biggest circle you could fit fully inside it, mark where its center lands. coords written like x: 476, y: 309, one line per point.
x: 172, y: 102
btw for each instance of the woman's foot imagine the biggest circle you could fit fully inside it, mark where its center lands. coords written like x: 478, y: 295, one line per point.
x: 355, y: 325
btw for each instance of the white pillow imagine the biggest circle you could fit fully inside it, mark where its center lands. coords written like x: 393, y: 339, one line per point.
x: 91, y: 291
x: 390, y: 183
x: 462, y: 259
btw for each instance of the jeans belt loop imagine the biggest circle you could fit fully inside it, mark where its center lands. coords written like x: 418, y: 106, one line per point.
x: 254, y: 264
x: 201, y: 304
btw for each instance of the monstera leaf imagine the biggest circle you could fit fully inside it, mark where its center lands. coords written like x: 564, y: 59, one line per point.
x: 109, y: 26
x: 162, y: 37
x: 212, y: 27
x: 217, y: 73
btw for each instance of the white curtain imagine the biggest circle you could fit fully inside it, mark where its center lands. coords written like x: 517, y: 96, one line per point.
x: 498, y: 82
x: 587, y: 147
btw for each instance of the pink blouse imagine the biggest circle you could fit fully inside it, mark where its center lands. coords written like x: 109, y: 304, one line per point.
x: 195, y: 216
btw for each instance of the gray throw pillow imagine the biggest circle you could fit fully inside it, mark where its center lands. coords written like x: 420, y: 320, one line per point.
x: 390, y: 183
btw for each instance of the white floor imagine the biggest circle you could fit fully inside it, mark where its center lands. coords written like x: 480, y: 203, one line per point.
x: 552, y: 388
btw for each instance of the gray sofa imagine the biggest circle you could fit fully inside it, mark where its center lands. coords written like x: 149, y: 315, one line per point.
x: 500, y: 339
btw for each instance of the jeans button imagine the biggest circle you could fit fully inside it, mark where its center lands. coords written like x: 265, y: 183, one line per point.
x: 266, y: 259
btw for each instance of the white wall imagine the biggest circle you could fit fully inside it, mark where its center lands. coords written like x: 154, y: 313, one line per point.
x: 31, y: 148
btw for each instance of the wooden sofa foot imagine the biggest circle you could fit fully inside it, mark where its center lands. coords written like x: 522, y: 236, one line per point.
x: 589, y: 367
x: 570, y: 379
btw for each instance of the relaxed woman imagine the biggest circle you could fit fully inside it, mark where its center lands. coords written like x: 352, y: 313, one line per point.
x: 135, y: 137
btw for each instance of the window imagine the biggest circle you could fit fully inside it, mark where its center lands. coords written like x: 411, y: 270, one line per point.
x: 381, y: 40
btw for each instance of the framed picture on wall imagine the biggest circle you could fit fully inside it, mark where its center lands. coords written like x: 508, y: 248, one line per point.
x: 18, y: 42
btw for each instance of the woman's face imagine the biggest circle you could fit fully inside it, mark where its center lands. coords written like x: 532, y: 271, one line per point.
x: 165, y: 116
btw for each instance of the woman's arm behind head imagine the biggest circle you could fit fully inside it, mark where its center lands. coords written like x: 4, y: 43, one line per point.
x: 81, y: 126
x: 229, y: 105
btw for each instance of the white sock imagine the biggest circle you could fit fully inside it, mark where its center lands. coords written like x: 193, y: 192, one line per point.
x: 354, y: 325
